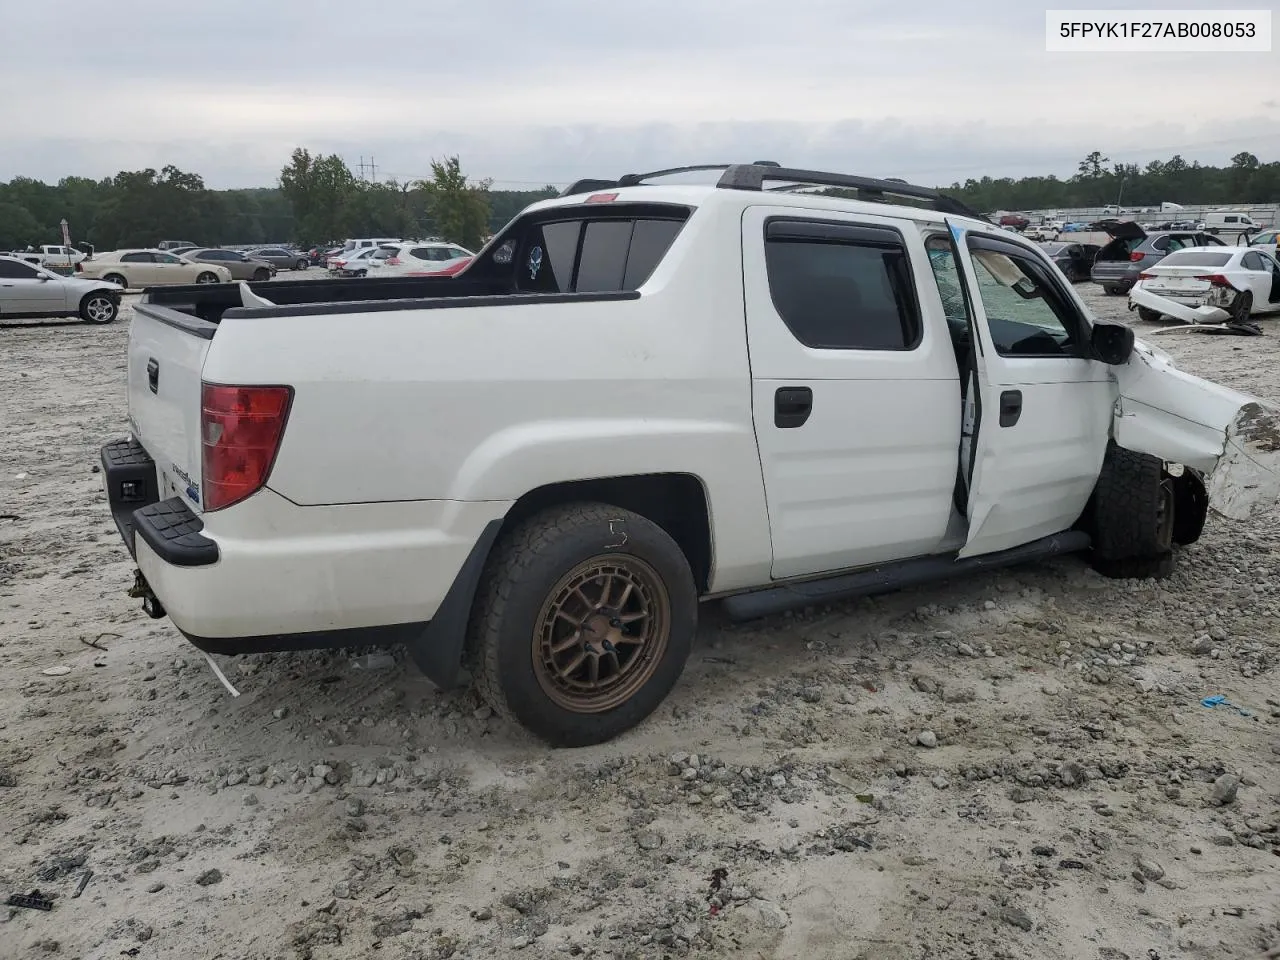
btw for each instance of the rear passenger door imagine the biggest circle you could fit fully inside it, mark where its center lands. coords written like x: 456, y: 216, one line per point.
x: 1038, y: 422
x: 855, y: 390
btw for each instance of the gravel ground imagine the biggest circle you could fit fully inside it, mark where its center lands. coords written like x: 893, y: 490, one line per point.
x: 1012, y: 766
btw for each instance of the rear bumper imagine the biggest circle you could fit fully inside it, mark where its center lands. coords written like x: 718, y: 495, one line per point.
x: 1124, y: 276
x: 267, y: 574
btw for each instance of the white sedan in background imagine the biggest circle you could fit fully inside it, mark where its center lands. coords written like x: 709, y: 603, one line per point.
x: 27, y: 290
x: 351, y: 263
x: 408, y: 258
x: 1266, y: 241
x: 1210, y: 285
x: 131, y: 269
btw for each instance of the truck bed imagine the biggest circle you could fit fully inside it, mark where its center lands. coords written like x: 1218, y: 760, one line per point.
x: 209, y: 301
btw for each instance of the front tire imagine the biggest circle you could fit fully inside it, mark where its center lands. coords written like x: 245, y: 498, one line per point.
x: 261, y: 276
x: 207, y: 277
x: 584, y: 619
x: 118, y: 280
x: 1132, y: 516
x: 99, y: 308
x: 302, y: 265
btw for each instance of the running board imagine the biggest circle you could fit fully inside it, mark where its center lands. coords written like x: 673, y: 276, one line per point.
x: 894, y: 576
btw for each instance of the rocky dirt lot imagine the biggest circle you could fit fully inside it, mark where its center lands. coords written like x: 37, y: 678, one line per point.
x: 1012, y: 766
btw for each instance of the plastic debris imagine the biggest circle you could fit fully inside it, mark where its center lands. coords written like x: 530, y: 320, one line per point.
x: 373, y: 661
x: 32, y: 901
x: 221, y: 676
x: 1218, y: 700
x: 60, y: 671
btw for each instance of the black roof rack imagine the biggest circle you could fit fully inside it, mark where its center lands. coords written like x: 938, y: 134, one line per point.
x: 752, y: 176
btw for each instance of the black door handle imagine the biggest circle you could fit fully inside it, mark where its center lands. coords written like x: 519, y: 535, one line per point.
x: 1010, y: 407
x: 153, y: 375
x: 792, y: 406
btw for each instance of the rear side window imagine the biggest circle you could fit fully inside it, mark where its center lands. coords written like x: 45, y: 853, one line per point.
x: 12, y: 270
x: 842, y: 287
x: 137, y: 258
x: 1251, y: 261
x: 596, y: 255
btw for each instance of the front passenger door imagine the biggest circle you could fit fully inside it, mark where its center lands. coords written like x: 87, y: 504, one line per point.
x: 1043, y: 416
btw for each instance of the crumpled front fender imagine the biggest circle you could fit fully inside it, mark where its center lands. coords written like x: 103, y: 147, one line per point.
x: 1231, y: 437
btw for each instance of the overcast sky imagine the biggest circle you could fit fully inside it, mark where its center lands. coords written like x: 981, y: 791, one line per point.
x: 535, y: 91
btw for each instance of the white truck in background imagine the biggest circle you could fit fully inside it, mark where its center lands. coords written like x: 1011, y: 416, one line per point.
x: 640, y: 397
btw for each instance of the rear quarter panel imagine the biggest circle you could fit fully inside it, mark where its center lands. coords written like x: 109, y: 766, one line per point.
x: 488, y: 403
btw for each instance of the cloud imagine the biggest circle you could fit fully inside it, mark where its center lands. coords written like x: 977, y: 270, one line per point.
x: 564, y: 88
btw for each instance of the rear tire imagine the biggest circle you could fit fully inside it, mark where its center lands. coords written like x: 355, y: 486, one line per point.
x: 1113, y: 290
x: 573, y: 585
x: 99, y: 308
x: 1148, y: 315
x: 207, y: 277
x: 1242, y: 308
x: 1131, y: 516
x: 118, y: 280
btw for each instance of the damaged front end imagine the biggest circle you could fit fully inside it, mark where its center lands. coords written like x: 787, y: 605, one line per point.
x: 1229, y: 438
x: 1220, y: 307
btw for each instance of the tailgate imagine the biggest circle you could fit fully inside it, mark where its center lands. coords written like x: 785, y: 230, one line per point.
x: 166, y: 356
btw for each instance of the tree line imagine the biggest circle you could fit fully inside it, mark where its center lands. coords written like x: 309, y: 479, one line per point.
x: 318, y: 199
x: 1098, y: 182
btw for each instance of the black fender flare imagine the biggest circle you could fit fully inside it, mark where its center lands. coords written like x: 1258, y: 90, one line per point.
x: 438, y: 649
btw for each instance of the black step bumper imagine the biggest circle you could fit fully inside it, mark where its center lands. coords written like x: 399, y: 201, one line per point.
x: 168, y: 527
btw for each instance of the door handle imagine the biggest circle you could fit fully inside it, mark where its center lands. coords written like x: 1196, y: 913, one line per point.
x: 792, y: 406
x: 153, y: 375
x: 1010, y: 407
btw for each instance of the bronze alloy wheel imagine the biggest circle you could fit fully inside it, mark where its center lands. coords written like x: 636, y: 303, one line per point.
x: 601, y: 633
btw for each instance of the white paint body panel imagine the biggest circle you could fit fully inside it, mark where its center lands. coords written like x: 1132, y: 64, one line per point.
x: 412, y: 429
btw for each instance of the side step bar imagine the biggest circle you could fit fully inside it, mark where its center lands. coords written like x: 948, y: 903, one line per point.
x: 894, y: 576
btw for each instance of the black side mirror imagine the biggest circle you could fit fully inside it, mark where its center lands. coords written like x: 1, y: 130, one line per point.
x: 1112, y: 343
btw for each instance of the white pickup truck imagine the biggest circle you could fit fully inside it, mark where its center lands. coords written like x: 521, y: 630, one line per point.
x: 640, y: 396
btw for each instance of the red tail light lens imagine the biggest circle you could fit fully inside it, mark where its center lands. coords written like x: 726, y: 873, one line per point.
x: 240, y: 432
x: 1216, y: 279
x: 1136, y: 256
x: 1145, y: 276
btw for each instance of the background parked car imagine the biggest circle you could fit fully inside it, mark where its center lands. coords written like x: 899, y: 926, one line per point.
x: 27, y: 290
x: 171, y: 245
x: 281, y: 258
x: 1245, y: 281
x: 240, y: 266
x: 181, y: 251
x: 1075, y: 260
x: 353, y: 263
x: 1132, y: 250
x: 401, y: 259
x: 1266, y: 241
x: 149, y: 268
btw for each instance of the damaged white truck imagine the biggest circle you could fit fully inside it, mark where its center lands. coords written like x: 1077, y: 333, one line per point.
x: 641, y: 396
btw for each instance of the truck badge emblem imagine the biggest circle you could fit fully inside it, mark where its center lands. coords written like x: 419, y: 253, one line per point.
x: 535, y: 262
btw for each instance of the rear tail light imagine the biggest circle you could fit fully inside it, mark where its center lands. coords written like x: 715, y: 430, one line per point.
x: 1145, y: 276
x: 240, y: 432
x: 1217, y: 280
x: 1136, y: 256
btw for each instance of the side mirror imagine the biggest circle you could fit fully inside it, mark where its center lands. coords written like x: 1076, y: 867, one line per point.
x: 1112, y: 343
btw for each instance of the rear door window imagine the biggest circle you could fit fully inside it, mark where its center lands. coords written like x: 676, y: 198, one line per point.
x: 137, y: 258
